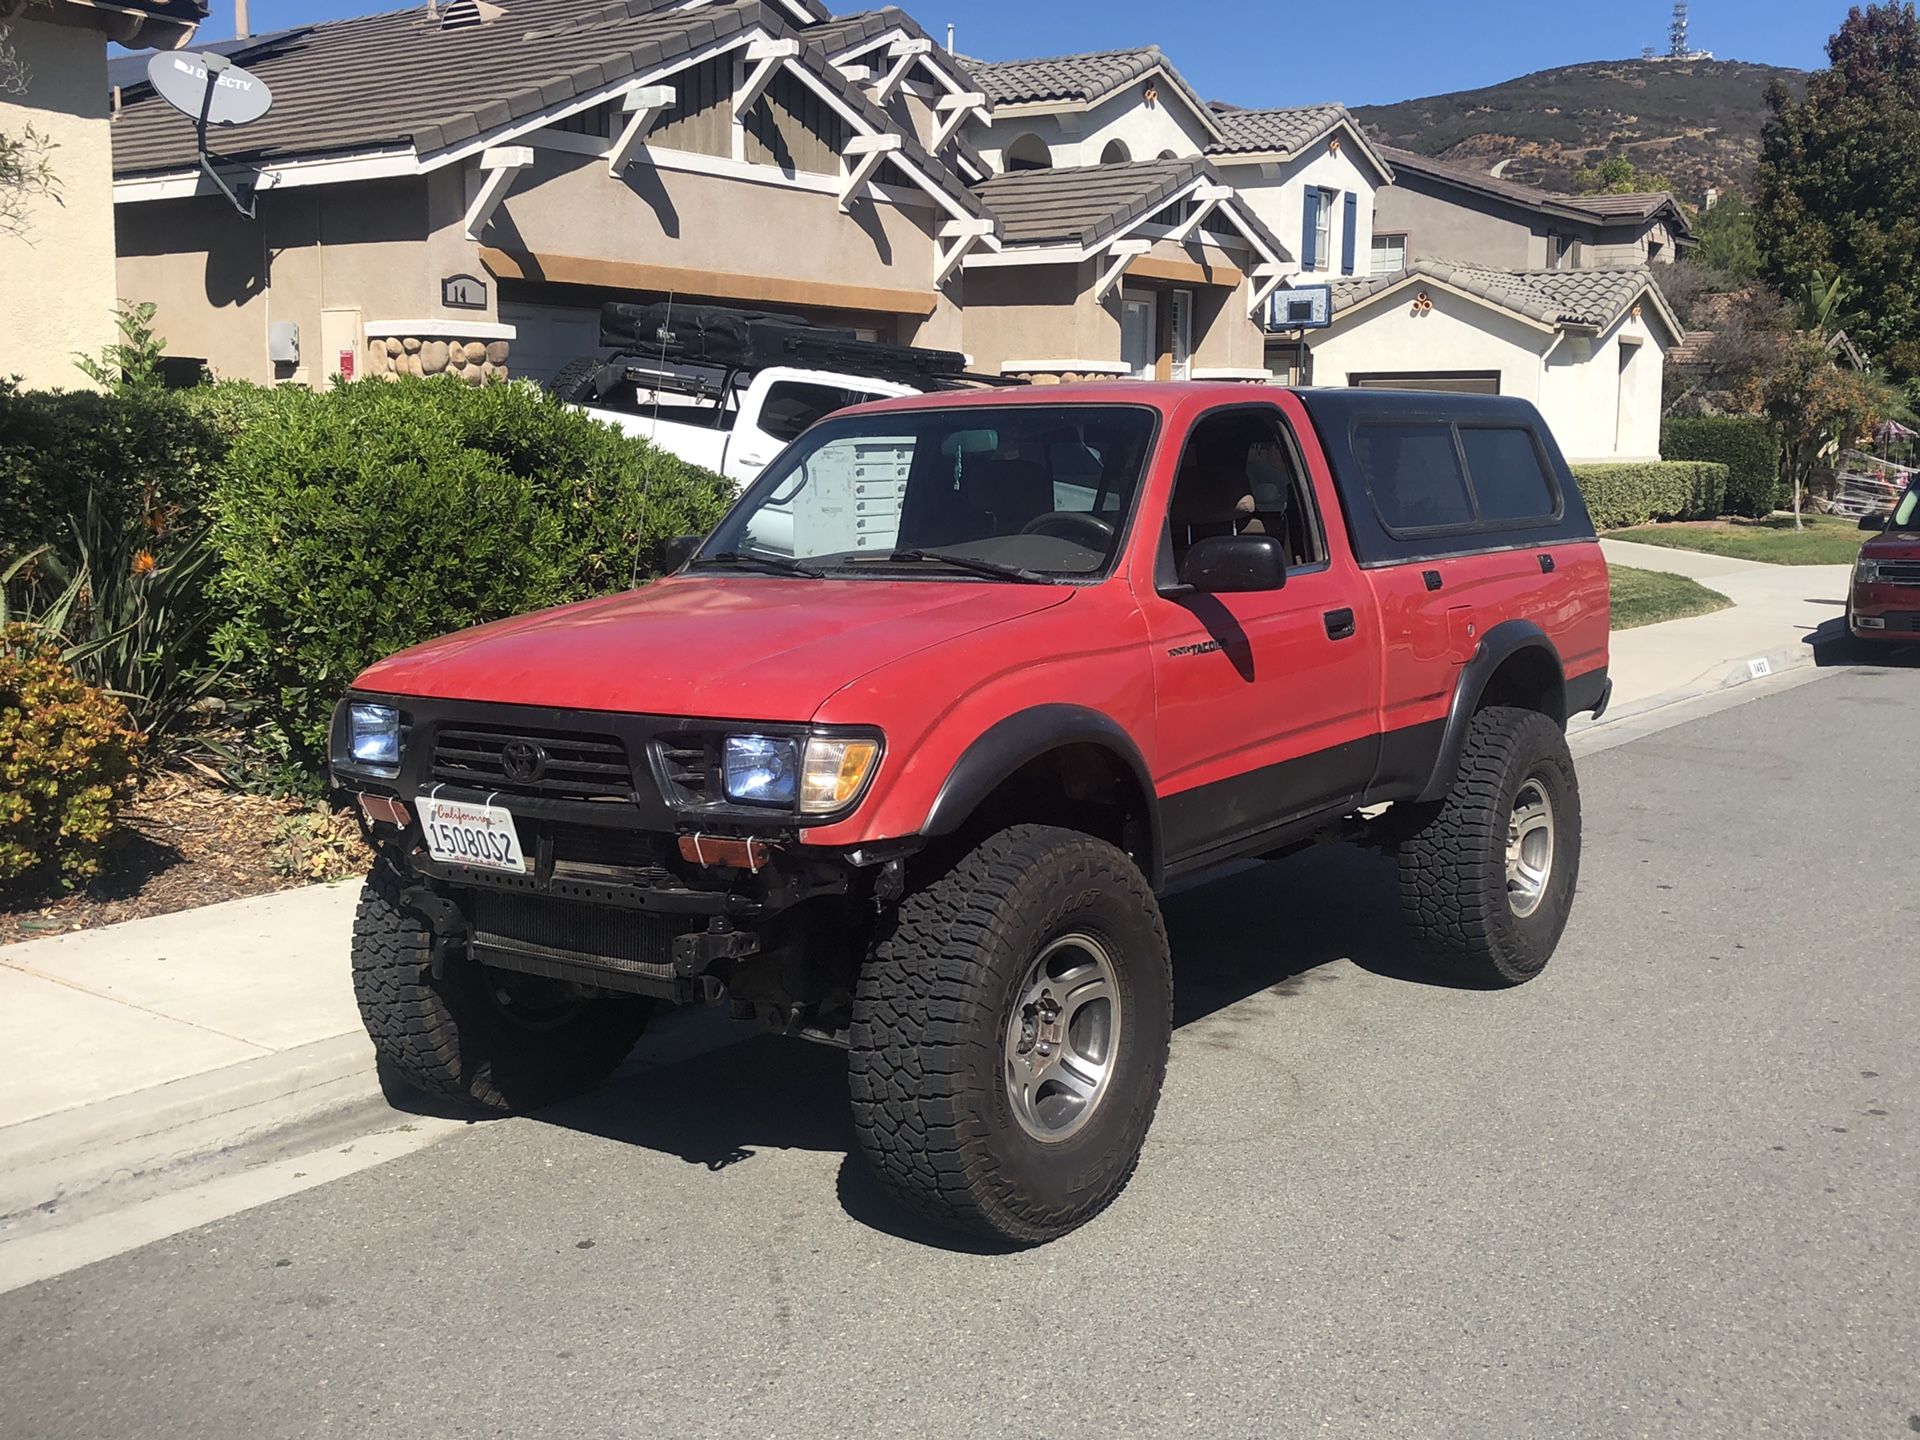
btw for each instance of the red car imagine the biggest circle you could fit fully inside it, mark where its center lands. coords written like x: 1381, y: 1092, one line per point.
x: 900, y: 755
x: 1885, y: 603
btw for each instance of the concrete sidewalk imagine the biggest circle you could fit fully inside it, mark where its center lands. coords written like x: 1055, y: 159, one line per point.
x: 1776, y: 610
x: 141, y: 1046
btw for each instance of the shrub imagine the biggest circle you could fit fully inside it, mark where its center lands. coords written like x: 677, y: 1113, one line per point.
x: 66, y: 765
x: 1633, y: 494
x: 136, y: 455
x: 384, y: 513
x: 1747, y: 446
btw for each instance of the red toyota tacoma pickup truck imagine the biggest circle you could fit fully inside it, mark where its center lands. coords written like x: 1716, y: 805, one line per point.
x: 898, y: 757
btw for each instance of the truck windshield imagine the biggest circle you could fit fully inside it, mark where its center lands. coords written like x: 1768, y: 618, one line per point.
x: 992, y: 493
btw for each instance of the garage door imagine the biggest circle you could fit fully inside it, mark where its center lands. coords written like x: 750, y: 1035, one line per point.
x: 1462, y: 382
x: 549, y: 336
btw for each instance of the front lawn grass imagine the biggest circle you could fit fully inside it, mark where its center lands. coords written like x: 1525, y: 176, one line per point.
x: 1646, y: 597
x: 1825, y: 541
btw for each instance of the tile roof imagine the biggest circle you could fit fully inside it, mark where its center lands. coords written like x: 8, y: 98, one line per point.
x: 1084, y: 203
x: 1582, y: 298
x: 1284, y: 130
x: 1087, y: 204
x: 844, y: 32
x: 394, y: 80
x: 1595, y: 209
x: 1085, y: 77
x: 397, y: 79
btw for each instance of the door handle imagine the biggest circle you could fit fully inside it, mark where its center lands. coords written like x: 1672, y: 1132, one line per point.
x: 1339, y: 624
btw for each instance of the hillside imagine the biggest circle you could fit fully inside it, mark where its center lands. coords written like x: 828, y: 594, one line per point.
x: 1697, y: 122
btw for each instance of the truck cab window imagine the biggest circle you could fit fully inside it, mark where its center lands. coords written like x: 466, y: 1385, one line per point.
x: 1240, y: 475
x: 792, y: 406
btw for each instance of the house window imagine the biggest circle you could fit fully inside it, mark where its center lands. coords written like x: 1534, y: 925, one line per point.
x: 1559, y: 252
x: 1323, y: 230
x: 1389, y: 255
x: 1029, y: 152
x: 1116, y: 153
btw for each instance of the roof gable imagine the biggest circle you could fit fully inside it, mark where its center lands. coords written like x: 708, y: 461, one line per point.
x: 1591, y: 209
x: 1555, y: 299
x: 1286, y: 131
x: 1078, y: 82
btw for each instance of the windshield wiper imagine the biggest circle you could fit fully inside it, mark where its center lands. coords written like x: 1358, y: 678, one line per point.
x: 978, y: 566
x: 780, y: 564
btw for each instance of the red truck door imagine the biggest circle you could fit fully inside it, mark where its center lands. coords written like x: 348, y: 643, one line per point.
x: 1267, y: 702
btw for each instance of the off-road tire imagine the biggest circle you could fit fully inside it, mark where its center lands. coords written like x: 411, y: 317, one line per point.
x: 1453, y: 870
x: 569, y: 384
x: 930, y: 1099
x: 448, y: 1037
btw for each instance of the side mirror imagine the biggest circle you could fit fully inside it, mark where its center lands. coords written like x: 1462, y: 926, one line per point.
x: 1876, y: 521
x: 678, y: 551
x: 1225, y: 564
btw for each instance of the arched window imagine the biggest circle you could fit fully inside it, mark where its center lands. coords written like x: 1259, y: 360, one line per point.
x: 1166, y: 155
x: 1116, y: 153
x: 1028, y: 152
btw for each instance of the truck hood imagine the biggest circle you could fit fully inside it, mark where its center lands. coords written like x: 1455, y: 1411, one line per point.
x: 724, y: 647
x: 1894, y: 545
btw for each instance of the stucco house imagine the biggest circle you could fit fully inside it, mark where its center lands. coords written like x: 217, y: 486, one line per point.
x: 547, y: 159
x: 57, y: 291
x: 1153, y: 269
x: 1436, y: 210
x: 1586, y: 346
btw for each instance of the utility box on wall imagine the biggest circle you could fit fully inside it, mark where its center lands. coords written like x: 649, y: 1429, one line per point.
x: 283, y: 342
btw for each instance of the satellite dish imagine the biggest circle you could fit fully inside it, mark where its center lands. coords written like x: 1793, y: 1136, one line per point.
x: 210, y: 88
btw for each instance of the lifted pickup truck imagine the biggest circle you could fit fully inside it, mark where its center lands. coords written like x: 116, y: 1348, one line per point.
x: 728, y: 389
x: 904, y: 770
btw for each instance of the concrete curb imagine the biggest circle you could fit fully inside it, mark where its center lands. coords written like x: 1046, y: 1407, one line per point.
x: 55, y: 1162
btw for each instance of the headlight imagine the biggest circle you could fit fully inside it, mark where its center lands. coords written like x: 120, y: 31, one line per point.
x: 373, y: 736
x: 1866, y: 571
x: 815, y: 777
x: 761, y: 770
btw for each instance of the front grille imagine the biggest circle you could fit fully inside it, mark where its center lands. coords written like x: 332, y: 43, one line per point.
x: 569, y: 767
x: 1899, y: 572
x: 511, y: 928
x: 689, y: 766
x: 637, y: 857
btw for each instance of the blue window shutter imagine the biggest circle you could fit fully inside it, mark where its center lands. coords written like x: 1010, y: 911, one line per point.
x: 1312, y: 229
x: 1351, y: 235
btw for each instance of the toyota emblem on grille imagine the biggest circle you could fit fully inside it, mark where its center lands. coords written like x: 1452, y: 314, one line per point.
x: 523, y: 761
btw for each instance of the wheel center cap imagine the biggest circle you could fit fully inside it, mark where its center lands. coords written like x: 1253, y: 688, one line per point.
x: 1041, y: 1030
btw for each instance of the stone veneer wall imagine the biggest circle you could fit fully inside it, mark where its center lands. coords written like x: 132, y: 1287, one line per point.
x: 474, y: 361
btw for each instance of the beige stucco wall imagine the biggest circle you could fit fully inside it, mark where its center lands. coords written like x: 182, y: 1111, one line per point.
x: 1079, y: 137
x: 219, y: 280
x: 1600, y: 408
x: 57, y: 279
x: 1442, y: 229
x: 1276, y: 192
x: 1047, y: 313
x: 1390, y: 337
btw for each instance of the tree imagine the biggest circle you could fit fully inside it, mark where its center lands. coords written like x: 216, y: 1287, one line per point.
x: 1839, y: 181
x: 1616, y: 175
x: 1727, y: 246
x: 1819, y: 406
x: 133, y: 361
x: 26, y: 169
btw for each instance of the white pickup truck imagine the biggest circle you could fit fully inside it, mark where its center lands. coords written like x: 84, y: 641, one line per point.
x: 728, y: 389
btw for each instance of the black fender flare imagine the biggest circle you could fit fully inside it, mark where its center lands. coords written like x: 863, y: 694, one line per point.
x: 1497, y: 646
x: 1024, y: 736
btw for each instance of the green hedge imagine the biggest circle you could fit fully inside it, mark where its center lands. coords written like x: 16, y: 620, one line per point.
x: 140, y: 457
x: 1633, y: 494
x: 1748, y: 447
x: 383, y: 513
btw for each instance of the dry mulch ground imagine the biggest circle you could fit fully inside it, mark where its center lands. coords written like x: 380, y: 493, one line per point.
x: 186, y: 842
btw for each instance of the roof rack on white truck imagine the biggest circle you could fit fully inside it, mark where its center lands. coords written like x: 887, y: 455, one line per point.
x: 728, y: 388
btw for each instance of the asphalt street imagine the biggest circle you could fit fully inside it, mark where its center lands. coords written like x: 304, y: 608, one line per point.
x: 1670, y: 1188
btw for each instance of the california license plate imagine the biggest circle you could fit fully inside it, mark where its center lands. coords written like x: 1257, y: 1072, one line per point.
x: 459, y: 832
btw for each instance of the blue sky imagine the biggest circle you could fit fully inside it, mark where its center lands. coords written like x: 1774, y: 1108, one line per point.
x: 1251, y: 51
